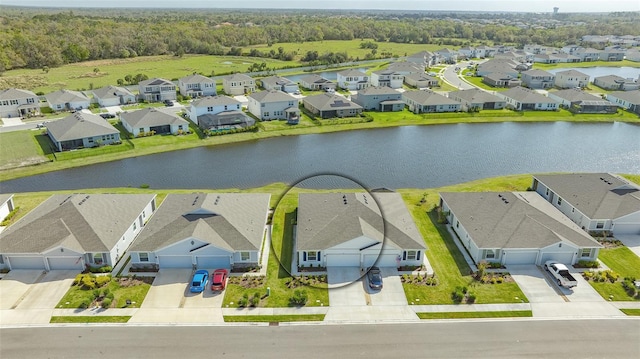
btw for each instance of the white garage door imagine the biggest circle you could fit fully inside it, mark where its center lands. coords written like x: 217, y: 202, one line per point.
x: 26, y: 262
x: 622, y: 228
x: 343, y: 260
x: 382, y: 260
x: 65, y: 263
x: 213, y: 262
x: 175, y: 261
x: 513, y: 257
x: 562, y: 257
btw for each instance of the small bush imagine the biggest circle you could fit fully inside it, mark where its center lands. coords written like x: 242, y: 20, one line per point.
x: 299, y: 298
x: 85, y: 303
x: 88, y: 282
x: 255, y: 300
x: 244, y: 301
x: 471, y: 298
x: 106, y: 303
x: 587, y: 264
x: 102, y: 280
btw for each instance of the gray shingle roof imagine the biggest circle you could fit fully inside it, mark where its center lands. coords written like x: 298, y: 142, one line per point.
x: 575, y: 95
x: 4, y: 197
x: 314, y: 78
x: 596, y: 195
x: 151, y: 117
x: 424, y: 97
x: 219, y: 100
x: 378, y: 90
x: 80, y: 125
x: 525, y: 95
x: 420, y: 77
x: 328, y: 102
x: 155, y: 82
x: 111, y: 92
x: 80, y: 222
x: 238, y: 77
x: 272, y: 96
x: 537, y: 72
x: 196, y: 79
x: 64, y: 96
x: 232, y: 221
x: 475, y: 96
x: 630, y: 96
x: 14, y: 94
x: 497, y: 76
x: 324, y: 220
x: 352, y: 73
x: 275, y: 80
x: 572, y: 73
x: 525, y: 220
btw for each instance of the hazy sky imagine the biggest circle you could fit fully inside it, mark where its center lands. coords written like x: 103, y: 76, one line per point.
x: 474, y: 5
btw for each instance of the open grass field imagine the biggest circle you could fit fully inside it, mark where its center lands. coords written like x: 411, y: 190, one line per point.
x: 19, y: 148
x: 464, y: 315
x: 624, y: 63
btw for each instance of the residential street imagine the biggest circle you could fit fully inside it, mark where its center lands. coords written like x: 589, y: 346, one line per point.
x: 618, y: 338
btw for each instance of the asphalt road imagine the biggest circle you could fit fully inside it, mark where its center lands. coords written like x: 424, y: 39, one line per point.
x: 602, y: 338
x: 451, y: 76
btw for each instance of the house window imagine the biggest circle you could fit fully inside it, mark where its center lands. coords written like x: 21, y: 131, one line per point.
x: 244, y: 256
x: 144, y: 257
x: 488, y: 254
x: 90, y: 139
x: 97, y: 258
x: 599, y: 225
x: 141, y: 129
x: 457, y: 224
x: 312, y: 256
x: 559, y: 201
x: 585, y: 253
x: 547, y: 192
x: 134, y: 226
x: 411, y: 255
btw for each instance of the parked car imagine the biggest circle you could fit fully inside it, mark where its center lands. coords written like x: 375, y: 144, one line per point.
x: 107, y: 115
x: 199, y: 281
x: 561, y: 273
x: 219, y: 279
x: 374, y: 276
x: 168, y: 103
x: 41, y: 124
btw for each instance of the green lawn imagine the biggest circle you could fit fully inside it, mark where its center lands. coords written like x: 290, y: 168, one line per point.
x: 19, y: 149
x: 75, y: 296
x: 274, y: 318
x: 90, y: 319
x: 632, y: 312
x: 624, y: 63
x: 477, y: 81
x: 622, y: 261
x: 462, y: 315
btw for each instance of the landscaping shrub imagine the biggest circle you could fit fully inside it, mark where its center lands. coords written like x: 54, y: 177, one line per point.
x: 106, y: 303
x: 587, y: 264
x: 244, y: 301
x: 102, y: 280
x: 255, y: 300
x: 299, y: 298
x: 85, y: 303
x: 458, y: 294
x: 88, y: 282
x: 7, y: 219
x: 471, y: 298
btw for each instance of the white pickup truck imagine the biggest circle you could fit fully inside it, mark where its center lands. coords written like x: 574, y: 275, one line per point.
x: 561, y: 273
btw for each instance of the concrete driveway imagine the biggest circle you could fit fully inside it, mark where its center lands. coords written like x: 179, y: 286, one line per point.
x: 391, y: 293
x: 168, y: 289
x: 631, y: 241
x: 16, y: 285
x: 345, y: 287
x: 534, y: 284
x: 48, y: 291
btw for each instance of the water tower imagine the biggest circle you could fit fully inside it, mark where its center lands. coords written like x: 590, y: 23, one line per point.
x: 555, y: 10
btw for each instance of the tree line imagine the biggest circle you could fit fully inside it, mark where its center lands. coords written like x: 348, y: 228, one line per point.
x: 33, y: 38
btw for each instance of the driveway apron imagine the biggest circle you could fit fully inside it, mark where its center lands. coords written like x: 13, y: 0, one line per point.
x: 14, y: 286
x: 49, y: 290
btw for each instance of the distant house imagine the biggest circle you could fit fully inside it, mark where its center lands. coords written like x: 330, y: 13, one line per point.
x: 317, y: 83
x: 501, y: 79
x: 425, y: 101
x: 349, y: 230
x: 633, y: 55
x: 388, y: 78
x: 422, y: 59
x: 67, y: 100
x: 18, y: 103
x: 507, y: 67
x: 274, y: 105
x: 536, y: 49
x: 353, y: 79
x: 588, y: 54
x: 215, y: 113
x: 566, y: 58
x: 328, y: 105
x: 476, y: 99
x: 405, y: 68
x: 238, y: 84
x: 483, y: 51
x: 113, y: 96
x: 515, y: 228
x: 446, y: 56
x: 80, y: 130
x: 537, y: 79
x: 157, y: 90
x: 204, y: 231
x: 379, y: 98
x: 628, y: 100
x: 571, y: 79
x: 421, y: 80
x: 197, y: 85
x: 279, y: 83
x: 546, y: 59
x: 596, y: 202
x: 570, y: 49
x: 578, y: 101
x: 612, y: 54
x: 153, y: 121
x: 521, y: 99
x: 615, y: 82
x: 75, y: 231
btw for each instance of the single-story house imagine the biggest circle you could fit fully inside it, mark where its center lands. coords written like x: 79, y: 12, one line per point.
x: 520, y: 99
x: 18, y: 103
x: 388, y: 78
x: 80, y: 130
x: 597, y: 202
x: 238, y: 84
x: 537, y: 79
x: 6, y: 205
x: 356, y: 230
x: 476, y: 99
x: 204, y: 231
x: 73, y: 231
x: 329, y: 105
x: 547, y: 58
x: 157, y: 90
x: 405, y: 68
x: 514, y: 228
x: 352, y: 79
x: 578, y: 101
x: 617, y: 83
x: 113, y: 96
x: 274, y: 105
x: 571, y: 79
x: 317, y: 82
x: 67, y: 100
x: 507, y: 67
x: 153, y: 121
x: 628, y: 100
x: 421, y: 80
x: 501, y: 79
x: 379, y: 98
x: 423, y: 101
x: 279, y: 83
x: 197, y: 85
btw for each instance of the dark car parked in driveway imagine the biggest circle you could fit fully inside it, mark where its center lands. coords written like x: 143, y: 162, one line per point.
x: 107, y: 115
x: 374, y: 276
x: 168, y: 103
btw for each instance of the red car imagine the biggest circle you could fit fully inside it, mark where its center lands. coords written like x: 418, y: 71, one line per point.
x: 219, y: 279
